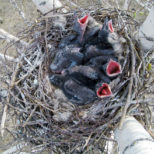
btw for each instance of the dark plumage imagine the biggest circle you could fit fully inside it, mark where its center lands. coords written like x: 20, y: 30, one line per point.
x: 74, y: 90
x: 80, y: 27
x: 77, y: 93
x: 65, y: 58
x: 88, y: 75
x: 87, y: 61
x: 103, y: 34
x: 100, y: 60
x: 93, y: 51
x: 57, y: 80
x: 71, y: 39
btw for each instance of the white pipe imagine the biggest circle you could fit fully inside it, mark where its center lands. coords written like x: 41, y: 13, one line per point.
x: 147, y: 29
x: 132, y: 138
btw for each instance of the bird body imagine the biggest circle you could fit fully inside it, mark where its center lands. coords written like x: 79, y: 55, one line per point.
x: 77, y: 93
x: 68, y: 57
x: 87, y: 61
x: 92, y: 51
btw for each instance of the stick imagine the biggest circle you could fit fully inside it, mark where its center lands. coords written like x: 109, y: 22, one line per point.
x: 8, y: 99
x: 6, y: 57
x: 10, y: 38
x: 130, y: 84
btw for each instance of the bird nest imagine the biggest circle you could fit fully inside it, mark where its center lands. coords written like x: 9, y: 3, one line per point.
x: 45, y: 116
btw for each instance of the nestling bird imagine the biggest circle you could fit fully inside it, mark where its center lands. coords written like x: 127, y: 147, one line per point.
x: 75, y: 91
x: 107, y: 38
x: 80, y: 26
x: 103, y: 90
x: 100, y: 60
x: 71, y: 39
x: 78, y: 94
x: 65, y: 58
x: 87, y: 61
x: 92, y: 51
x: 87, y: 75
x: 103, y: 34
x: 112, y: 68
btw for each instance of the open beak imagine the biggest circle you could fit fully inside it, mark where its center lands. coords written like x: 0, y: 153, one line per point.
x: 104, y: 91
x: 110, y: 26
x: 113, y: 68
x: 83, y: 24
x: 107, y: 26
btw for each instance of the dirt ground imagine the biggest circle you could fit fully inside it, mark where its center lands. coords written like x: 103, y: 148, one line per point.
x: 15, y: 16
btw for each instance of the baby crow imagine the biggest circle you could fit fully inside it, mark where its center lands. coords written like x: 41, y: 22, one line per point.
x: 80, y: 27
x: 104, y: 33
x: 78, y: 94
x: 87, y: 29
x: 65, y: 58
x: 87, y: 75
x: 100, y: 60
x: 107, y: 38
x: 57, y: 80
x: 112, y: 68
x: 93, y: 51
x: 93, y: 27
x: 71, y: 39
x: 103, y: 90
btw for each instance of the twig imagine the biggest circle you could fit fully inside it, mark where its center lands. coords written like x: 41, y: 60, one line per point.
x: 30, y: 116
x: 10, y: 38
x: 4, y: 57
x: 130, y: 84
x: 8, y: 99
x: 127, y: 4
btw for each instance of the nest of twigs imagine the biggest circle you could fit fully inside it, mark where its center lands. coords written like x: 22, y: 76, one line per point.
x: 45, y: 116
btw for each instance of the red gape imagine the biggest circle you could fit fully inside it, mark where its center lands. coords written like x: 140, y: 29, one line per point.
x: 83, y: 24
x: 104, y: 91
x: 110, y: 26
x: 83, y: 20
x: 113, y: 68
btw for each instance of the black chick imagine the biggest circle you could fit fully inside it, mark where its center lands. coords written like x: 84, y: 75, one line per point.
x: 68, y: 57
x: 87, y: 75
x: 80, y: 26
x: 71, y: 39
x: 91, y: 33
x: 103, y: 90
x: 87, y: 29
x: 112, y: 68
x: 100, y: 60
x: 78, y: 94
x: 103, y: 34
x: 92, y: 51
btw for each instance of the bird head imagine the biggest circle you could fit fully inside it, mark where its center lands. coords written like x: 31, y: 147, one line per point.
x: 113, y: 68
x: 106, y: 29
x: 80, y: 26
x: 104, y: 91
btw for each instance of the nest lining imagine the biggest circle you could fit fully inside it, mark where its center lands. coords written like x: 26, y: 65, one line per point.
x: 46, y: 117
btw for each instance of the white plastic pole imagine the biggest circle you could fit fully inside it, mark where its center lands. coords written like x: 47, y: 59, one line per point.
x: 147, y: 29
x: 132, y: 138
